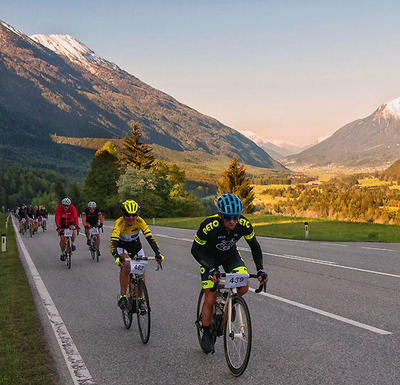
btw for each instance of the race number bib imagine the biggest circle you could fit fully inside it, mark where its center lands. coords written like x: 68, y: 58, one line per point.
x: 236, y: 280
x: 68, y: 232
x: 94, y: 231
x: 138, y: 267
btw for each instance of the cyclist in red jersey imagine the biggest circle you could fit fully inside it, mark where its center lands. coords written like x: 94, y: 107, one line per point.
x: 66, y: 218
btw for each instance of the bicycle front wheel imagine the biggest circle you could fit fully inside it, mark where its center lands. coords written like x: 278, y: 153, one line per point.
x: 143, y: 311
x: 127, y: 313
x: 237, y: 336
x: 199, y: 318
x: 68, y: 254
x: 93, y: 247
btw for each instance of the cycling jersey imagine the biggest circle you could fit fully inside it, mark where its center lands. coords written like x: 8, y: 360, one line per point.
x: 43, y: 213
x: 31, y: 213
x: 127, y: 237
x: 66, y: 218
x: 92, y: 218
x: 213, y: 245
x: 22, y: 213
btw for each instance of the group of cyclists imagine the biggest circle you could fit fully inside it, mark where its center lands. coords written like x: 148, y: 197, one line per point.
x: 214, y: 245
x: 66, y: 217
x: 35, y: 216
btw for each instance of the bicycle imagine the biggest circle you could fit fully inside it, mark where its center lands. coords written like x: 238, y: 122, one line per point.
x: 43, y: 224
x: 31, y: 227
x: 231, y: 319
x: 94, y: 244
x: 23, y: 226
x: 68, y: 249
x: 138, y: 297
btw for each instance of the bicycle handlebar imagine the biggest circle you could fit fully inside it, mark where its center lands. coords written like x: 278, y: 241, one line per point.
x: 263, y: 286
x: 136, y: 258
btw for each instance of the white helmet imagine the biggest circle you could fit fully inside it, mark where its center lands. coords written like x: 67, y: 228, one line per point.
x: 92, y: 205
x: 66, y: 201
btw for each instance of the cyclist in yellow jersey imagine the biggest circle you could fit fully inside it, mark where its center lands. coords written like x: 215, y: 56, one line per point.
x: 125, y: 242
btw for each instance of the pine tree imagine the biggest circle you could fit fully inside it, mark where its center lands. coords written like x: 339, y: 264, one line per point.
x: 134, y: 153
x: 234, y: 181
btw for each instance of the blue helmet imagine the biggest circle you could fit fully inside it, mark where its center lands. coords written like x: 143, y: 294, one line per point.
x: 229, y: 204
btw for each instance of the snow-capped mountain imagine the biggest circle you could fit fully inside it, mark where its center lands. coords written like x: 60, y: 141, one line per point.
x: 276, y: 148
x: 73, y: 49
x: 369, y: 143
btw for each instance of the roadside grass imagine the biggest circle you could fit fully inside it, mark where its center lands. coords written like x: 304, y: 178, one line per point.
x: 24, y: 358
x: 276, y: 226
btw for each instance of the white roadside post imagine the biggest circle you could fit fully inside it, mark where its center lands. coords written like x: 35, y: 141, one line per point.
x: 306, y: 228
x: 3, y: 242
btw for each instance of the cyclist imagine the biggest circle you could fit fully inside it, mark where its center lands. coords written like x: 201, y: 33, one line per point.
x: 22, y: 216
x: 215, y: 245
x: 91, y: 217
x: 30, y: 216
x: 125, y: 242
x: 66, y: 218
x: 44, y: 214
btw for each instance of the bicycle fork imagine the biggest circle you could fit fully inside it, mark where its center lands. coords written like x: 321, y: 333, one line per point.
x: 240, y: 333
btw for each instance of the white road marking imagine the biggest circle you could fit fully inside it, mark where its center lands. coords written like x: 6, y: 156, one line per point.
x: 325, y: 313
x: 79, y: 373
x: 310, y: 308
x: 302, y: 259
x: 375, y: 248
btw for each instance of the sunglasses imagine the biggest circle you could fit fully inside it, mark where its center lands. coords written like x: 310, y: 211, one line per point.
x: 66, y: 205
x: 130, y: 215
x: 228, y: 218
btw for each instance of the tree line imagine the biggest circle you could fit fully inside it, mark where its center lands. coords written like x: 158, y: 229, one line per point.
x: 117, y: 174
x: 337, y: 200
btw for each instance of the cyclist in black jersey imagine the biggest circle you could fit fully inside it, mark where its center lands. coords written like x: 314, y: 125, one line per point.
x: 92, y: 217
x: 214, y: 245
x: 22, y: 215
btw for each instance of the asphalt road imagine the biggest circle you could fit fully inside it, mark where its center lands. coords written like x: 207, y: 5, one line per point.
x: 330, y: 314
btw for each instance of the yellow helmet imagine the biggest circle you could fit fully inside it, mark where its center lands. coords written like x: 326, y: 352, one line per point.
x: 130, y: 207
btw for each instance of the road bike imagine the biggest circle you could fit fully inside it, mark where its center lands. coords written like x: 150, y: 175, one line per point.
x: 138, y: 297
x: 94, y: 244
x: 31, y: 227
x: 23, y: 226
x: 231, y: 319
x: 43, y: 224
x: 68, y: 248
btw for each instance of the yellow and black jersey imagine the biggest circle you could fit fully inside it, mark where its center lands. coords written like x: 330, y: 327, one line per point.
x: 213, y: 244
x: 127, y: 237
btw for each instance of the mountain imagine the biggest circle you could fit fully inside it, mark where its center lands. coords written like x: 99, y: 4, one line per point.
x: 392, y: 173
x: 369, y: 143
x: 56, y: 85
x: 278, y: 149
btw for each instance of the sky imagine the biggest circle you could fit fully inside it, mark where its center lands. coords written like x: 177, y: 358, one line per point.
x: 286, y: 70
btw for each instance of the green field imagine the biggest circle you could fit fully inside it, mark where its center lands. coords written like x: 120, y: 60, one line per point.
x: 293, y: 228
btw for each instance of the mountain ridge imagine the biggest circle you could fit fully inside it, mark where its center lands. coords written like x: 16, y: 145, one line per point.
x: 79, y: 98
x: 371, y: 143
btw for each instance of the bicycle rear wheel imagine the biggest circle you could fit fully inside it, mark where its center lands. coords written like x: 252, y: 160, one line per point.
x: 237, y: 337
x: 30, y: 229
x: 128, y: 312
x: 143, y: 311
x: 68, y: 254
